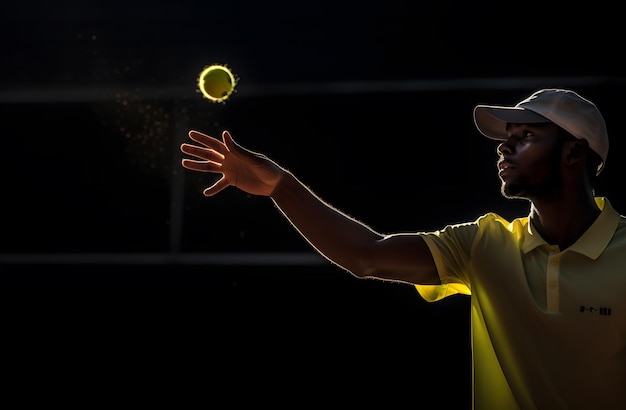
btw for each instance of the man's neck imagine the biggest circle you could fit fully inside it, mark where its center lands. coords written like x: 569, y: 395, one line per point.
x: 563, y: 221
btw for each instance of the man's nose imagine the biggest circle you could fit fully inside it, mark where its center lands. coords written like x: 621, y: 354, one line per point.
x: 506, y: 146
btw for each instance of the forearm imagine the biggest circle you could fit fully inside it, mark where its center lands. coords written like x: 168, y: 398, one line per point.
x: 337, y: 236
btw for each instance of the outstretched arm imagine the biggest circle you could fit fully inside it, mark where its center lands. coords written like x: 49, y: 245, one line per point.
x: 340, y: 238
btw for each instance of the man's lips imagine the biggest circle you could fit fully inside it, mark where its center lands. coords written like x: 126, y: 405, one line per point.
x: 504, y: 167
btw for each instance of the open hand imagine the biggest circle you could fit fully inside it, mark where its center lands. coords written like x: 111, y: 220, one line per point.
x: 249, y: 171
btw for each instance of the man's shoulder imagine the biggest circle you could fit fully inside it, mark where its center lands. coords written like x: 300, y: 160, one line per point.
x: 490, y: 226
x: 492, y: 219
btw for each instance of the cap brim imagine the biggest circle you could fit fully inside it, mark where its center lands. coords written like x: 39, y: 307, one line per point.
x: 491, y: 120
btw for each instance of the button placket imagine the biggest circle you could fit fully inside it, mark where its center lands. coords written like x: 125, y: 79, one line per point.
x: 552, y: 282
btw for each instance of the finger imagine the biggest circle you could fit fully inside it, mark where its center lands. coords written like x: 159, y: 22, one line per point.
x: 202, y: 166
x: 200, y: 136
x: 208, y: 141
x: 231, y: 145
x: 228, y: 139
x: 208, y: 154
x: 216, y: 187
x: 229, y: 142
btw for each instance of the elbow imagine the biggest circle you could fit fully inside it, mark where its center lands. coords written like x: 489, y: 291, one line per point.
x: 358, y: 264
x: 364, y: 266
x: 366, y: 260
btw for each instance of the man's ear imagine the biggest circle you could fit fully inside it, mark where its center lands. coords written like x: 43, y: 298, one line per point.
x: 576, y: 150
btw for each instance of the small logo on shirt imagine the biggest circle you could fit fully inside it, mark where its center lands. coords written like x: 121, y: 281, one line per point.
x: 604, y: 311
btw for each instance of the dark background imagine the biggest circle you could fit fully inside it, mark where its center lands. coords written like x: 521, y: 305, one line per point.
x: 122, y: 283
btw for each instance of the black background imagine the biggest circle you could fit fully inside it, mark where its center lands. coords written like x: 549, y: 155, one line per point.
x: 122, y: 283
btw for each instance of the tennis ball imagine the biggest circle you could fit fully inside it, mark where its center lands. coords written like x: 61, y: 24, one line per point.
x: 216, y: 82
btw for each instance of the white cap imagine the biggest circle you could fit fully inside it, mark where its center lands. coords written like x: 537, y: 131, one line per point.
x: 567, y: 109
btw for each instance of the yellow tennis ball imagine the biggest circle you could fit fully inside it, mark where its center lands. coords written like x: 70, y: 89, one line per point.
x: 216, y: 82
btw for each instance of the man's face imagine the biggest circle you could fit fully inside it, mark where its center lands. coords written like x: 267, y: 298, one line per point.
x: 530, y: 161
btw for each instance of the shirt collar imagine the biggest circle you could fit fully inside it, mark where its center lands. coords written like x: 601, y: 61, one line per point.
x: 593, y: 242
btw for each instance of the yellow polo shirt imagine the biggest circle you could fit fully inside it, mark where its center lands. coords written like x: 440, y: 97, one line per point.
x: 548, y: 325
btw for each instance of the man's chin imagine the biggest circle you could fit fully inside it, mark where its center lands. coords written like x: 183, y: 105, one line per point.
x: 511, y: 191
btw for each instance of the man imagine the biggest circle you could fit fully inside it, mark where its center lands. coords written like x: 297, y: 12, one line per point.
x: 548, y: 291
